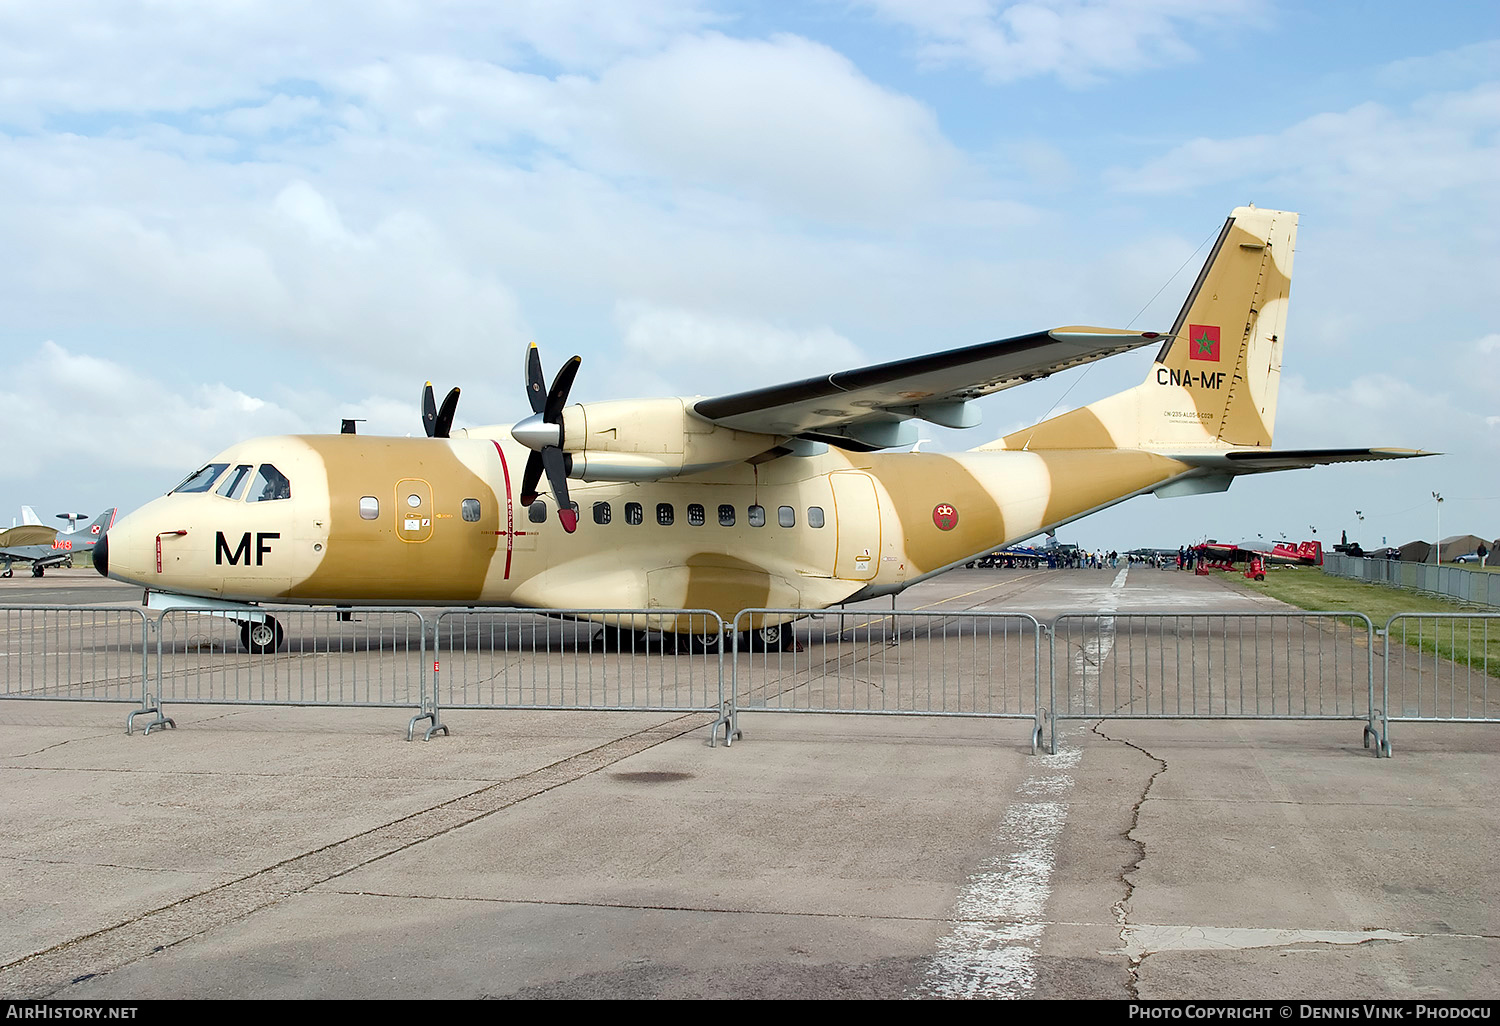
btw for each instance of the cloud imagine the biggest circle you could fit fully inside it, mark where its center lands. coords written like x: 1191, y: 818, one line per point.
x: 178, y: 55
x: 696, y: 353
x: 785, y: 120
x: 1081, y: 42
x: 1369, y: 154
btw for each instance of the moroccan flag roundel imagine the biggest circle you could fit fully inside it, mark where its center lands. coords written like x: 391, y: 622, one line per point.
x: 1203, y: 342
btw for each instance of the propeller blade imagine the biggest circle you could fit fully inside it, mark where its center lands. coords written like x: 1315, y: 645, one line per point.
x: 557, y: 477
x: 561, y: 386
x: 531, y: 477
x: 429, y: 409
x: 445, y: 416
x: 536, y: 385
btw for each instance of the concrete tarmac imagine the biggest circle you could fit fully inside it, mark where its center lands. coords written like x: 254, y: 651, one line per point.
x: 299, y: 853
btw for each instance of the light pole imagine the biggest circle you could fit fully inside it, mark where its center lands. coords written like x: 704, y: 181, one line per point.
x: 1437, y: 558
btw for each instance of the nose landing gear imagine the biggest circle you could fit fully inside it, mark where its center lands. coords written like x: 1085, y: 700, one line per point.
x: 260, y: 637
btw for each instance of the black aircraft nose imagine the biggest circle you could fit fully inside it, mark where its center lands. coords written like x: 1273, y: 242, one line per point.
x: 101, y: 556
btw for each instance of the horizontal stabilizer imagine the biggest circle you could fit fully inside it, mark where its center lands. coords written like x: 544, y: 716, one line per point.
x: 1254, y: 461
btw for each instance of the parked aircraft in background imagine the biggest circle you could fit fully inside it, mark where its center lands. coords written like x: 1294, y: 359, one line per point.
x: 776, y: 497
x: 47, y: 546
x: 1214, y: 556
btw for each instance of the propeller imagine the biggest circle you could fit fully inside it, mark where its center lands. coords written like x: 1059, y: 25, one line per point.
x: 438, y: 422
x: 542, y: 433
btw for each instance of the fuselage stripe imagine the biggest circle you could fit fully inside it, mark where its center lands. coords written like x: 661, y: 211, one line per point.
x: 510, y: 513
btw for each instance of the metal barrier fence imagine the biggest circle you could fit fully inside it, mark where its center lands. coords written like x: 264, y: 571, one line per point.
x: 597, y: 659
x: 969, y: 663
x: 1442, y: 667
x: 897, y: 663
x: 1303, y: 666
x: 301, y: 657
x: 1479, y: 587
x: 75, y: 654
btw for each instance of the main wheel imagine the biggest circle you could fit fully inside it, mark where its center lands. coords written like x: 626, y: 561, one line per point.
x: 706, y: 641
x: 258, y: 638
x: 38, y: 571
x: 7, y: 572
x: 772, y: 638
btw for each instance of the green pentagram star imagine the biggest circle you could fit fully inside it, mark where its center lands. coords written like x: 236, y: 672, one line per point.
x: 1205, y: 345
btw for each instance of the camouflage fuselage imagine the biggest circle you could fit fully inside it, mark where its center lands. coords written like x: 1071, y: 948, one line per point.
x: 887, y: 521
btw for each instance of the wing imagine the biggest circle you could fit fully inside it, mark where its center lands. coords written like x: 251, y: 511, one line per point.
x: 869, y: 408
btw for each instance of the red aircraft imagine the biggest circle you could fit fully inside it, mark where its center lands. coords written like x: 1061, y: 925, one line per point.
x: 1214, y: 556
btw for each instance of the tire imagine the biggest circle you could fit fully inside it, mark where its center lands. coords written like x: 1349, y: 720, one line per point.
x: 7, y: 572
x: 38, y: 571
x: 775, y: 638
x: 259, y: 638
x: 705, y: 642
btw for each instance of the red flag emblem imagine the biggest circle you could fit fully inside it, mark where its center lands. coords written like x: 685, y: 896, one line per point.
x: 945, y: 516
x: 1203, y: 342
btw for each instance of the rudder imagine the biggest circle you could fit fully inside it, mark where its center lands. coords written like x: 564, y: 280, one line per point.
x: 1226, y: 353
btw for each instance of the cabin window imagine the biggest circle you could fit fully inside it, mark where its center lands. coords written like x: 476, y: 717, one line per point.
x: 726, y: 516
x: 602, y: 513
x: 369, y: 508
x: 696, y: 515
x: 664, y: 514
x: 815, y: 516
x: 756, y: 515
x: 414, y: 501
x: 200, y: 480
x: 634, y: 514
x: 469, y: 510
x: 234, y: 483
x: 786, y: 516
x: 537, y: 512
x: 269, y: 485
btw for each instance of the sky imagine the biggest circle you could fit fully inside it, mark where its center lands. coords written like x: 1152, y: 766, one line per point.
x: 220, y: 220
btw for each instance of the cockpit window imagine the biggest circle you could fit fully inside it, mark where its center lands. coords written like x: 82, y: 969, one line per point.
x: 202, y: 480
x: 269, y: 484
x: 234, y: 482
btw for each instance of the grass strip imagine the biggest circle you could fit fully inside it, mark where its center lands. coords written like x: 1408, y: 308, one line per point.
x: 1473, y: 640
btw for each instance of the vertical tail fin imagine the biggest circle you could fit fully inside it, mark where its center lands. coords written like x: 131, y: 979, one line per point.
x: 101, y: 523
x: 1214, y: 383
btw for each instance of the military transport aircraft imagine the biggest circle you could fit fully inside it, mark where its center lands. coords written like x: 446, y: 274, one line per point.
x: 47, y: 546
x: 776, y: 497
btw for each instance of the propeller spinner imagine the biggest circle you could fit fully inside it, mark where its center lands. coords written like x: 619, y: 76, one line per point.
x: 438, y: 422
x: 542, y: 433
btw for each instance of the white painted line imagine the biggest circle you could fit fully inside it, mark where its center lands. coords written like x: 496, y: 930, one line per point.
x: 991, y: 949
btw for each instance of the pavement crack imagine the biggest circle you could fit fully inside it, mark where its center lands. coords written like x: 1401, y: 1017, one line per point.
x: 59, y: 744
x: 1121, y: 908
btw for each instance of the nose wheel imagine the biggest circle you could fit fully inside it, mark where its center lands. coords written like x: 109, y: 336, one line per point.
x: 260, y: 637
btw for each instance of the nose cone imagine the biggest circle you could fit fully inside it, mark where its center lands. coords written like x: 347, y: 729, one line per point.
x: 537, y: 434
x: 101, y: 556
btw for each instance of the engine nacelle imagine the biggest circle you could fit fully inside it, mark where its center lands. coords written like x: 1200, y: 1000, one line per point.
x: 648, y: 439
